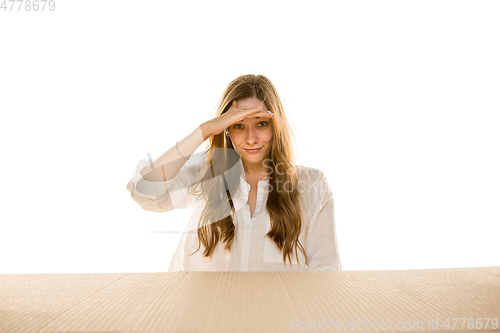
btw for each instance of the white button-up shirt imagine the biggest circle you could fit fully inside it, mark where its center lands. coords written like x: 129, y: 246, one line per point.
x: 251, y: 249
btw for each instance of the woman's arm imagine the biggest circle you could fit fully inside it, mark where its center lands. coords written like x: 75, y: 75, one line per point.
x: 322, y: 246
x: 168, y: 164
x: 165, y: 187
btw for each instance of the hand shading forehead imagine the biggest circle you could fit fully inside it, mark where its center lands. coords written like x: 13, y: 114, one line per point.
x: 252, y: 119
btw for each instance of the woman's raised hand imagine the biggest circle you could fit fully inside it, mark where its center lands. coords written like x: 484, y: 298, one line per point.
x: 233, y: 115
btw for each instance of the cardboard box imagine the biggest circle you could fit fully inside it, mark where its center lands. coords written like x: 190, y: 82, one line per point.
x: 338, y: 301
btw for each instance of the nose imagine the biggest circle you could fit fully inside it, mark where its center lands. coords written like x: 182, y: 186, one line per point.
x: 252, y: 137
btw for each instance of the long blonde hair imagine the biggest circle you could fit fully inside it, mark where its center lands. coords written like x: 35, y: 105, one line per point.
x: 282, y: 203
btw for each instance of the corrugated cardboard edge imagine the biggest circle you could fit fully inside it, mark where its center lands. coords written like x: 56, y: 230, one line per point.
x: 248, y: 301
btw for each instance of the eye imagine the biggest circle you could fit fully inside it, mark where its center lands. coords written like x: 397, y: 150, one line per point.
x: 262, y: 122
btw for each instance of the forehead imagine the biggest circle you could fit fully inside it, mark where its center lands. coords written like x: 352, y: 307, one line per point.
x: 250, y: 103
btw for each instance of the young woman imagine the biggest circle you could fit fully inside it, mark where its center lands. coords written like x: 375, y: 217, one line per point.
x: 255, y: 210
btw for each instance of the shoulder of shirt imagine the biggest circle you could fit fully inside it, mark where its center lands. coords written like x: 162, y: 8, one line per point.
x: 308, y: 172
x: 310, y: 180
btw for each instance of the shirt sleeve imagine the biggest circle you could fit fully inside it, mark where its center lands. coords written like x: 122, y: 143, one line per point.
x: 164, y: 196
x: 322, y: 247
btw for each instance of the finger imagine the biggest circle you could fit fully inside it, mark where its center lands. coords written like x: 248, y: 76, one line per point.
x: 259, y: 109
x: 254, y: 113
x: 250, y: 113
x: 268, y: 114
x: 264, y: 113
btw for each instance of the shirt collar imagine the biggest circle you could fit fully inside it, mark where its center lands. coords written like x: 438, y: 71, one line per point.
x: 244, y: 187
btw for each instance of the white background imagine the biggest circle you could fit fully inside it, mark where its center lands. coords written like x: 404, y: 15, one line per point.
x: 396, y: 101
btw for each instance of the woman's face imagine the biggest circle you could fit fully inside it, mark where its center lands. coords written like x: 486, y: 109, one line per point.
x: 255, y: 132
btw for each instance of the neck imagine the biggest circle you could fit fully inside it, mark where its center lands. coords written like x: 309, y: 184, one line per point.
x: 256, y: 173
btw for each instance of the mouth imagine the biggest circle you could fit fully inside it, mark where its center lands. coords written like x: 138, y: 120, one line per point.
x: 253, y: 151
